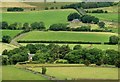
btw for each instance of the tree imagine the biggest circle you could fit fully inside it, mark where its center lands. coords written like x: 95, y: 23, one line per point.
x: 113, y: 39
x: 73, y: 16
x: 58, y: 27
x: 101, y: 24
x: 44, y: 70
x: 6, y: 39
x: 77, y: 47
x: 117, y: 63
x: 87, y: 62
x: 31, y: 48
x: 95, y: 20
x: 74, y: 56
x: 15, y: 58
x: 5, y: 52
x: 38, y: 25
x: 4, y: 60
x: 4, y: 25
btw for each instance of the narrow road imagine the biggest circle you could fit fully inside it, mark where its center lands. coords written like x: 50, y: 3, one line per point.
x: 14, y: 41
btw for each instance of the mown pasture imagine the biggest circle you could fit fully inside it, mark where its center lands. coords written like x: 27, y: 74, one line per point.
x: 80, y: 72
x: 12, y: 73
x: 67, y: 36
x: 48, y: 17
x: 113, y: 17
x: 11, y: 33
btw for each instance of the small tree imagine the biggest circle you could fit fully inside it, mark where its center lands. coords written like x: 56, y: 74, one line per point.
x: 6, y: 39
x: 44, y: 70
x: 101, y: 24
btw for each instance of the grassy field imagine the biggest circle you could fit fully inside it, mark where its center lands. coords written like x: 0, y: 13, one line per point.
x: 67, y: 36
x: 106, y: 16
x: 10, y: 33
x: 112, y: 9
x: 81, y: 72
x: 12, y: 73
x: 41, y: 6
x: 4, y: 46
x: 48, y: 17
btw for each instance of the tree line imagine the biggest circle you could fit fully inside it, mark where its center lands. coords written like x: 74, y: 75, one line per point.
x: 15, y: 9
x: 54, y: 53
x: 96, y: 11
x: 87, y: 5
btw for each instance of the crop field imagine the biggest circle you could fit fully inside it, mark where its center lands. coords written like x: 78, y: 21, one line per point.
x: 10, y: 33
x: 12, y: 73
x: 81, y: 72
x: 67, y: 36
x: 48, y: 17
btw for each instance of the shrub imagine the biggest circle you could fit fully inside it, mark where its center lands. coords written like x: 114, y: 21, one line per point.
x: 46, y: 8
x: 98, y: 63
x: 15, y: 9
x: 62, y: 61
x: 113, y: 39
x: 87, y: 62
x: 44, y: 70
x: 101, y: 24
x: 117, y: 63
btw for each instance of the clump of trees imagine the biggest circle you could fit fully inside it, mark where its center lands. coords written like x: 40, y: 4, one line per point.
x: 25, y: 26
x: 88, y: 5
x: 15, y: 9
x: 73, y: 16
x: 83, y: 18
x: 54, y: 53
x: 6, y: 39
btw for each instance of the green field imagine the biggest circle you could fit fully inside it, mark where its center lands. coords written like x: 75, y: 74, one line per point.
x: 4, y: 46
x: 113, y: 17
x: 111, y: 9
x: 12, y: 73
x: 10, y: 33
x: 48, y: 17
x: 67, y: 36
x: 81, y: 72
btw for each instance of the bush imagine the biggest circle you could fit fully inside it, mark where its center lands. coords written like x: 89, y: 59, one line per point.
x: 46, y: 8
x: 98, y: 63
x: 101, y: 24
x: 44, y: 70
x: 117, y: 63
x: 113, y: 39
x: 6, y: 39
x: 61, y: 61
x: 87, y: 62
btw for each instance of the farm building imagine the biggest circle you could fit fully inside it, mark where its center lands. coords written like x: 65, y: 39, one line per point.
x: 30, y: 56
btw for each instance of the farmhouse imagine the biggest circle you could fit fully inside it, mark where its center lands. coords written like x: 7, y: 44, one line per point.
x: 30, y: 56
